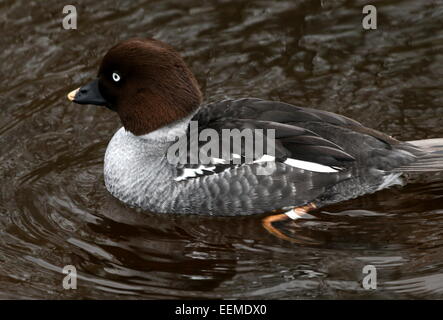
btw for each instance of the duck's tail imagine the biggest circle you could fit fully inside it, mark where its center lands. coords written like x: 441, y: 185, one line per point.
x: 430, y: 158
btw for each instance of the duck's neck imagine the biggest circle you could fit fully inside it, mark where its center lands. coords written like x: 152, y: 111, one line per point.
x: 169, y: 132
x: 137, y: 165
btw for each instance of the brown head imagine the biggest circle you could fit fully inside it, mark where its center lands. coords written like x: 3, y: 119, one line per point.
x: 146, y: 82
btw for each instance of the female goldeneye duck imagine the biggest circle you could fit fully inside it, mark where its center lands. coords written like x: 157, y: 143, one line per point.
x: 320, y: 157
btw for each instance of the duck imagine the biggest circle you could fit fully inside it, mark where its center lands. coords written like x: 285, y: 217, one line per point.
x: 309, y: 158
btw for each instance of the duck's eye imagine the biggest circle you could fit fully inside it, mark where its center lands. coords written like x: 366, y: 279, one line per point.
x: 116, y: 77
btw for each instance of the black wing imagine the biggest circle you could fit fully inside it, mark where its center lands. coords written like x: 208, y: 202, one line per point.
x: 291, y: 142
x: 320, y: 139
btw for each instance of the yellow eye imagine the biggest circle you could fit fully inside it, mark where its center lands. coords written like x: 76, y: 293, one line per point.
x: 116, y: 77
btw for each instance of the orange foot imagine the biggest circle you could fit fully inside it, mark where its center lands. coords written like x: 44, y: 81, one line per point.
x: 293, y: 214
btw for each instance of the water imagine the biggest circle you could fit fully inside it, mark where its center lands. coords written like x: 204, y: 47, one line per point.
x: 55, y: 211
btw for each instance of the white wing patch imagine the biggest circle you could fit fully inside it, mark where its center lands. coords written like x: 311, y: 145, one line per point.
x: 310, y: 166
x: 265, y: 158
x: 193, y: 172
x: 305, y: 165
x: 218, y: 160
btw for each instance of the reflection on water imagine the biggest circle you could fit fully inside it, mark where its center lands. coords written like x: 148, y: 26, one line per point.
x: 55, y: 211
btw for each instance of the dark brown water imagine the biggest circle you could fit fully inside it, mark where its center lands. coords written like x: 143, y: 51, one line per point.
x: 55, y: 211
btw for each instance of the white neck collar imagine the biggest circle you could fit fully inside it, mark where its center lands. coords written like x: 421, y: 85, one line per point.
x: 169, y: 132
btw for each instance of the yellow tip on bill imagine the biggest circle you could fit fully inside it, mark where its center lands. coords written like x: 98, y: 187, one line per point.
x: 71, y: 95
